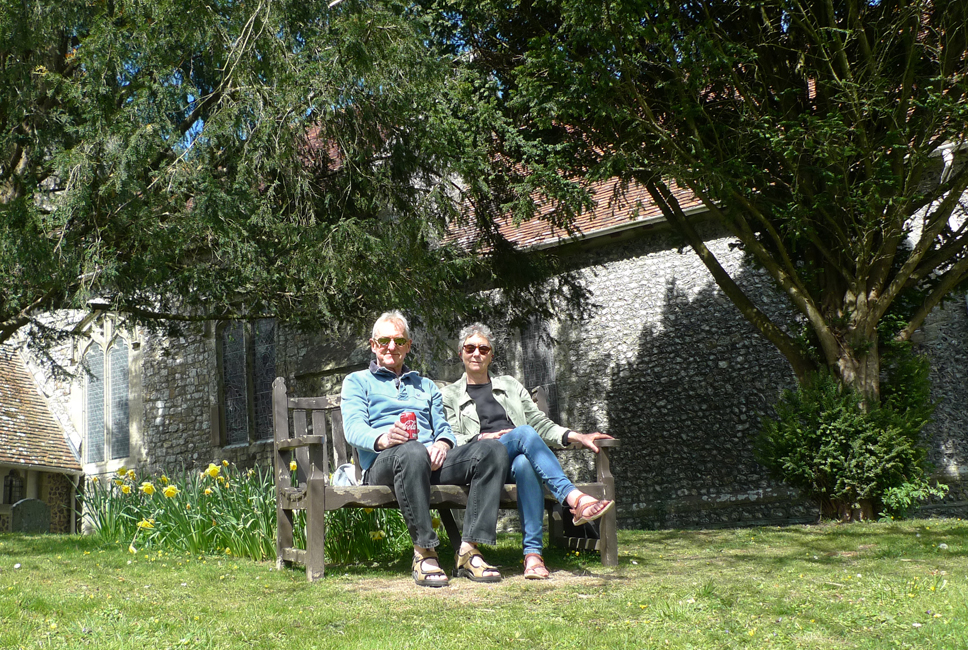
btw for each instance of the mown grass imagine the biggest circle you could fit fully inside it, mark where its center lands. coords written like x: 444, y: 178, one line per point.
x: 885, y: 585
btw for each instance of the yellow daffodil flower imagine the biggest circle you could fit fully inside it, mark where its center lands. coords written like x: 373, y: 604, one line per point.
x: 94, y: 479
x: 225, y: 463
x: 377, y: 535
x: 126, y: 489
x: 146, y: 523
x: 122, y: 472
x: 132, y: 549
x: 164, y: 480
x: 221, y: 479
x: 208, y: 491
x: 148, y: 488
x: 292, y: 466
x: 212, y: 470
x: 130, y: 473
x: 170, y: 491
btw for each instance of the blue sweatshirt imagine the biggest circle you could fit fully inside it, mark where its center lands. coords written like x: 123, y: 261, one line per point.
x: 372, y: 400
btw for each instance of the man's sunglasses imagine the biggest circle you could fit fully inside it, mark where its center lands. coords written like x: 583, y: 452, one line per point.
x: 470, y: 347
x: 384, y: 341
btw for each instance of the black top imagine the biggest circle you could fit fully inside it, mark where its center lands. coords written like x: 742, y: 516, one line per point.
x: 492, y: 415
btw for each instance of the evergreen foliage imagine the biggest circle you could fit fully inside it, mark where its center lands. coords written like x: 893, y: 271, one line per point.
x: 179, y: 161
x: 855, y: 459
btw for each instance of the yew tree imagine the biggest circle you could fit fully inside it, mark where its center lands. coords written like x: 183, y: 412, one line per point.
x: 828, y: 137
x: 177, y: 161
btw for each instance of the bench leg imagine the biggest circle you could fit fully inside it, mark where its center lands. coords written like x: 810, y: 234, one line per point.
x: 450, y: 525
x: 316, y: 530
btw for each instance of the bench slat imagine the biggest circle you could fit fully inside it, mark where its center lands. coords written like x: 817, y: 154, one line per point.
x: 295, y: 443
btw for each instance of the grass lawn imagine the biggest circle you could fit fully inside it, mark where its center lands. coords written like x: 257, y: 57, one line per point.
x: 891, y: 585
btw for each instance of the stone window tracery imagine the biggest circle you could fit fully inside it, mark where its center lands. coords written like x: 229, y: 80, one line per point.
x: 107, y: 395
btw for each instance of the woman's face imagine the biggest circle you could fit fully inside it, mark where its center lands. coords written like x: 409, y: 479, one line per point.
x: 477, y: 360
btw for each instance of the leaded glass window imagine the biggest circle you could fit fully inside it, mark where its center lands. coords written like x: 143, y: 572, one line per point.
x: 120, y: 429
x: 235, y: 384
x: 247, y: 369
x: 108, y: 417
x: 264, y: 373
x: 94, y: 361
x: 13, y: 487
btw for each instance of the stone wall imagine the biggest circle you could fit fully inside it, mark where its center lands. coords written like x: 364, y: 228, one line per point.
x: 665, y: 363
x: 57, y: 492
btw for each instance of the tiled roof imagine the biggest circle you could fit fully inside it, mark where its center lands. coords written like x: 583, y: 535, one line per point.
x: 29, y: 434
x: 613, y: 211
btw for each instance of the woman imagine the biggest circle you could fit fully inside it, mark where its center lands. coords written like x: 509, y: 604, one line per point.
x: 479, y: 407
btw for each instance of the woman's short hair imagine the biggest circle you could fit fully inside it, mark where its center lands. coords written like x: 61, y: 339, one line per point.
x: 392, y: 316
x: 475, y: 328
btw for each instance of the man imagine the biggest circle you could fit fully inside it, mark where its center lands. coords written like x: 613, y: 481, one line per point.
x: 372, y: 403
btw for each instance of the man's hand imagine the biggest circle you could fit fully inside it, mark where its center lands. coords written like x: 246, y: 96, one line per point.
x: 397, y: 435
x: 492, y: 435
x: 587, y: 439
x: 438, y: 454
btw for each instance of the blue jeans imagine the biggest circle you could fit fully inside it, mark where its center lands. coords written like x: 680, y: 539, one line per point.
x: 532, y: 464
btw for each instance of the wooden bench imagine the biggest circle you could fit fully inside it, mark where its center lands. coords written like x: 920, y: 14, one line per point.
x: 309, y: 431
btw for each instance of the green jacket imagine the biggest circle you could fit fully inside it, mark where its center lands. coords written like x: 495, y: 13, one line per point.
x: 461, y: 411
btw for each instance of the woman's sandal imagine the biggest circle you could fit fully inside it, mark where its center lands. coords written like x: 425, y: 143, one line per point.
x: 429, y: 576
x: 464, y: 567
x: 592, y: 510
x: 537, y: 569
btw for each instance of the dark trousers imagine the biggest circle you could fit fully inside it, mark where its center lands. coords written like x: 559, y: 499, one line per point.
x: 483, y: 465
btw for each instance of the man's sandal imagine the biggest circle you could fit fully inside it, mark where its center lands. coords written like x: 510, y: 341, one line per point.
x: 591, y: 510
x: 464, y: 567
x: 536, y: 570
x: 428, y: 576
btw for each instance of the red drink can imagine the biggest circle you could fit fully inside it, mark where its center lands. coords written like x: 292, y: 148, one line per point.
x: 409, y: 421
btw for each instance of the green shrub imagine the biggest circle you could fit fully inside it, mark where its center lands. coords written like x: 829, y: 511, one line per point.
x: 851, y: 459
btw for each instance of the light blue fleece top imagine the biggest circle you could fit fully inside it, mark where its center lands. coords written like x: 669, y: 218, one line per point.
x: 372, y: 400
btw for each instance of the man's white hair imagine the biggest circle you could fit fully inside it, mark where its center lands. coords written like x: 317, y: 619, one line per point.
x: 392, y: 316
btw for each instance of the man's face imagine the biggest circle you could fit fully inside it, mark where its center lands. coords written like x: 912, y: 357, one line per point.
x: 391, y: 355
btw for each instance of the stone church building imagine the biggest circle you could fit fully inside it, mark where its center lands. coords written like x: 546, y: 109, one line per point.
x: 664, y: 362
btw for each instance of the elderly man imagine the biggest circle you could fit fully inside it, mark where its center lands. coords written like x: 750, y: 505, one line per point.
x: 372, y: 403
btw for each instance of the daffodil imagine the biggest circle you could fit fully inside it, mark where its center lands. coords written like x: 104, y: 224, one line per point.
x: 130, y: 473
x: 377, y: 535
x: 118, y: 482
x: 292, y: 466
x: 208, y: 491
x: 367, y: 510
x: 132, y: 549
x: 164, y: 480
x: 220, y: 479
x: 212, y: 470
x: 148, y: 488
x: 170, y: 491
x: 122, y: 472
x: 126, y: 489
x: 225, y: 463
x: 435, y: 522
x: 146, y: 523
x: 94, y: 479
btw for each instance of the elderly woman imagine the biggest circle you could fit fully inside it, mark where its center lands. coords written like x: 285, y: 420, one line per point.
x: 480, y: 407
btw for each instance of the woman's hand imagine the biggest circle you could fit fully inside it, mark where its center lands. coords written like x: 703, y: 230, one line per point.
x: 438, y: 454
x: 493, y: 435
x: 587, y: 439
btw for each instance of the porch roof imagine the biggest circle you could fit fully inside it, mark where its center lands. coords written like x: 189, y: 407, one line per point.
x: 29, y: 433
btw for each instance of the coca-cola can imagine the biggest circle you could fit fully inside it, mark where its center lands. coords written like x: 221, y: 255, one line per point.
x: 409, y: 421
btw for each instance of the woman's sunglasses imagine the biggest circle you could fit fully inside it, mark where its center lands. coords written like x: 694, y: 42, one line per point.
x: 470, y: 347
